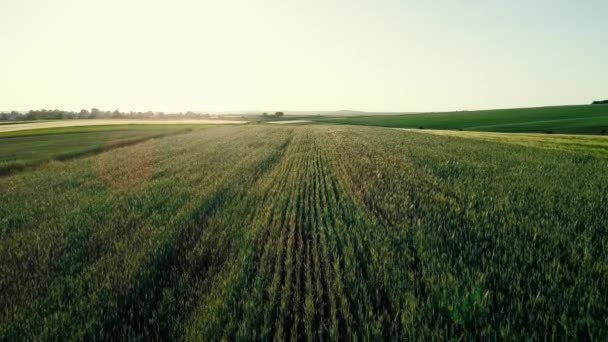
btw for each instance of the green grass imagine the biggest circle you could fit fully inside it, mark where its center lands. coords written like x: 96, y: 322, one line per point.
x: 307, y: 232
x: 28, y: 148
x: 588, y: 119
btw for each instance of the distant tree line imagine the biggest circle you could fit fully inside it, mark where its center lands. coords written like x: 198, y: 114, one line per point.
x: 94, y: 113
x: 600, y: 102
x: 275, y: 115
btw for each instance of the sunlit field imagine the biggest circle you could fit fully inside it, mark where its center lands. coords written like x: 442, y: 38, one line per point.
x: 23, y: 149
x: 11, y: 126
x: 592, y: 144
x: 317, y: 232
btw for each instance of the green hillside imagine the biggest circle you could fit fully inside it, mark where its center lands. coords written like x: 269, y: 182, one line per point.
x: 590, y: 119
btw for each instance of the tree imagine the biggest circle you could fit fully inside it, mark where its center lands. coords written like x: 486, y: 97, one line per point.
x: 279, y: 114
x: 14, y: 115
x: 600, y: 102
x: 95, y: 112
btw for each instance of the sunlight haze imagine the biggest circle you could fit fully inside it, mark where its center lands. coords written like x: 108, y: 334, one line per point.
x: 301, y: 55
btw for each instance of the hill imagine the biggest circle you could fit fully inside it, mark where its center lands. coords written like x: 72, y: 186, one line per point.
x: 588, y: 119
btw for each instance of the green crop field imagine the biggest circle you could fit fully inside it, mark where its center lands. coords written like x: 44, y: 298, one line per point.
x: 27, y: 148
x: 316, y: 232
x: 590, y: 144
x: 587, y: 119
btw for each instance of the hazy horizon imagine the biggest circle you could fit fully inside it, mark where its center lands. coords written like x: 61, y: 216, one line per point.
x: 386, y: 56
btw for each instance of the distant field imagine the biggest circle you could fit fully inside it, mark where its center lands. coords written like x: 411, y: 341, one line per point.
x: 2, y: 122
x: 591, y: 144
x: 16, y: 126
x: 587, y: 119
x: 26, y: 148
x: 283, y: 122
x: 305, y: 232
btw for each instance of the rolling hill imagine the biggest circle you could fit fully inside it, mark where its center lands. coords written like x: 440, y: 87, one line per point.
x: 587, y: 119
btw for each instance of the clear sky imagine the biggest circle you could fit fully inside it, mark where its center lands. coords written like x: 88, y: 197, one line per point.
x: 375, y: 55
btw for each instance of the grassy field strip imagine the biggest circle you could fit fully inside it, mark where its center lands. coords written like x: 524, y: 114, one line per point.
x: 580, y: 119
x: 19, y: 152
x: 210, y: 318
x: 288, y: 249
x: 93, y: 129
x: 546, y: 125
x: 19, y: 122
x: 394, y: 234
x: 286, y: 122
x: 104, y: 122
x: 582, y: 143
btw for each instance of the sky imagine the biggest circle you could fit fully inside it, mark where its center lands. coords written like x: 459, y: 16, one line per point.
x: 226, y: 55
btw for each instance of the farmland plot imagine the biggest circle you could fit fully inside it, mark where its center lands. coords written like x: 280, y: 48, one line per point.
x: 26, y: 149
x: 307, y: 232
